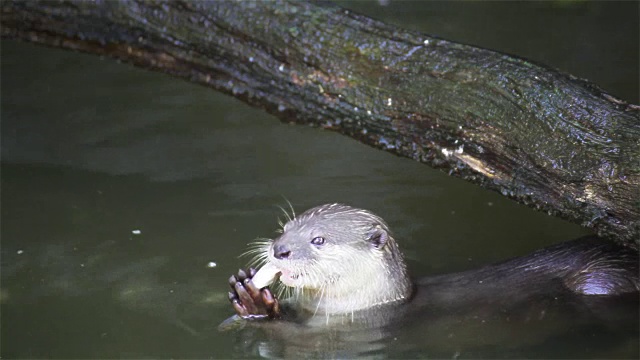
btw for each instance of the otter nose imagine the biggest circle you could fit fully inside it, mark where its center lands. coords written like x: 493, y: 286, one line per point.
x: 281, y: 252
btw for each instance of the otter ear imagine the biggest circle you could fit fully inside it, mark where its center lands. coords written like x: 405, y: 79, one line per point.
x: 377, y: 237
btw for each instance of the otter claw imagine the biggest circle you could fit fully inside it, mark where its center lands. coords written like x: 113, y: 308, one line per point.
x: 242, y: 275
x: 241, y: 311
x: 271, y: 302
x: 250, y: 302
x: 232, y: 281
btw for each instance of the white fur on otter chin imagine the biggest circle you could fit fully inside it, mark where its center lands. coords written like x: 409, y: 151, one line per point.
x: 329, y: 289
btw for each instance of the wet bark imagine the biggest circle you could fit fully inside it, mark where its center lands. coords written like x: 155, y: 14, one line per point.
x: 536, y: 135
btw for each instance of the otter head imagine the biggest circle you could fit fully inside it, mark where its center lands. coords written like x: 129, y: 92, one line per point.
x: 340, y: 259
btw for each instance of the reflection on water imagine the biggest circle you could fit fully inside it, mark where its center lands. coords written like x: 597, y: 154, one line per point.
x: 535, y: 326
x: 93, y: 151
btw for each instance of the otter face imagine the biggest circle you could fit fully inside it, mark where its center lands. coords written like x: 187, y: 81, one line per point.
x: 336, y: 259
x: 327, y: 245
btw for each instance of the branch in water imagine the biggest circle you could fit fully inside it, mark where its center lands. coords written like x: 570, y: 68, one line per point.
x: 536, y: 135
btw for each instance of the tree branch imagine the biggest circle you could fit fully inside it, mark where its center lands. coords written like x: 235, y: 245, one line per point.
x: 538, y: 136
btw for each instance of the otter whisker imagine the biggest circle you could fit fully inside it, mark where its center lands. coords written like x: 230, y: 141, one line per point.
x: 283, y: 291
x: 258, y: 252
x: 255, y: 251
x: 286, y: 214
x: 293, y: 212
x: 259, y: 243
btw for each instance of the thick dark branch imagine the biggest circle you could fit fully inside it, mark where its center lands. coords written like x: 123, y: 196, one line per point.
x: 534, y: 134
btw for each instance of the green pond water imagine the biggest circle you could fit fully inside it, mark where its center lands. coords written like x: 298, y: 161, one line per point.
x: 121, y: 189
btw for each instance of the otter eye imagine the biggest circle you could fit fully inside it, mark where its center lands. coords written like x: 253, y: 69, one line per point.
x: 318, y: 240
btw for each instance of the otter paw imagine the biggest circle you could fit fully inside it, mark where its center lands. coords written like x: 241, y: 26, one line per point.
x: 248, y: 301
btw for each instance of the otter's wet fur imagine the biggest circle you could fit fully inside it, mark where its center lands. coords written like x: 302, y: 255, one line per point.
x: 585, y: 288
x: 338, y: 259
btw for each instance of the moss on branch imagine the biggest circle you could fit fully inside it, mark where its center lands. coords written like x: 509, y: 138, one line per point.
x: 534, y: 134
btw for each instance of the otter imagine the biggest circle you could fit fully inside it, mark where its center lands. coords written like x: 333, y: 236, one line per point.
x: 342, y: 260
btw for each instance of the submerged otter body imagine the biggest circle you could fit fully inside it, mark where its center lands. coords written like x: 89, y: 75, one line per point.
x: 350, y: 295
x: 341, y: 260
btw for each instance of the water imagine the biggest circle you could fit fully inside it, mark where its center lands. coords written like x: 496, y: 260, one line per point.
x: 94, y: 151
